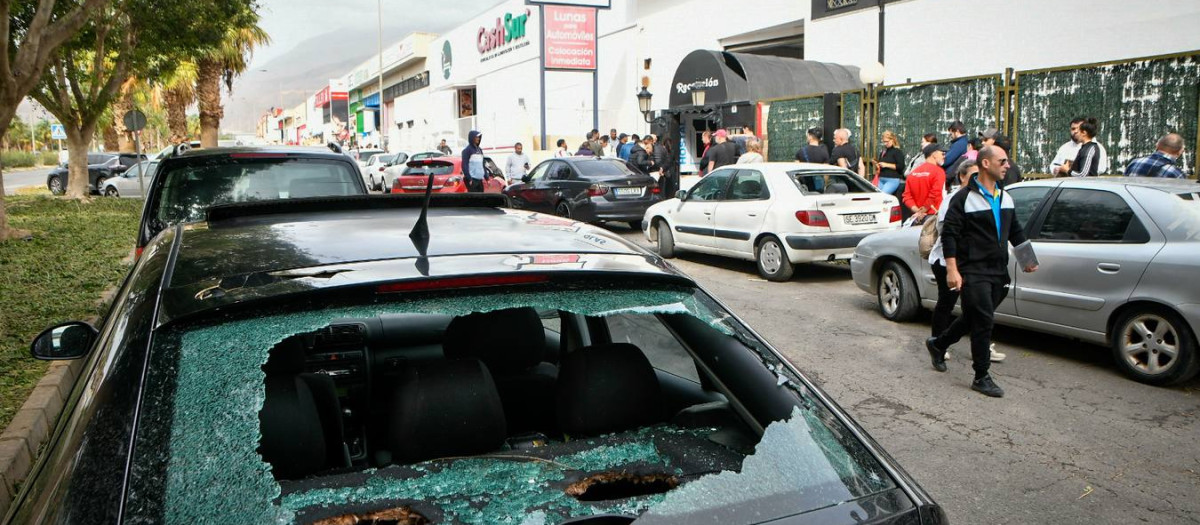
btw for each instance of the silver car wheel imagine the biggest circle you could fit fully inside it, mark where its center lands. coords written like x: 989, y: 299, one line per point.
x: 889, y: 292
x: 770, y: 257
x: 1150, y: 344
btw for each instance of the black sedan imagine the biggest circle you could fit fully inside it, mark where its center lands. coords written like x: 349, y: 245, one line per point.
x: 588, y: 189
x: 309, y: 360
x: 101, y: 167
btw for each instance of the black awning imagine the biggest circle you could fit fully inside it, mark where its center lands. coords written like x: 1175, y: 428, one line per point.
x: 745, y: 78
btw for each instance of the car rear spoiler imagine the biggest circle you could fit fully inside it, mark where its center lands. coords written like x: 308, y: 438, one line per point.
x: 430, y: 162
x: 225, y: 213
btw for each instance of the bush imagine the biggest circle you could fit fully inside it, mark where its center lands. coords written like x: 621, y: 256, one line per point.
x: 18, y: 159
x: 49, y: 158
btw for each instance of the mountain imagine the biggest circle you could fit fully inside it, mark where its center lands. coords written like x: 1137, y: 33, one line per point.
x: 299, y: 73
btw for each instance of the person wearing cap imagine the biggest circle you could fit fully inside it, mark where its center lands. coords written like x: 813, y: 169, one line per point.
x: 958, y: 144
x: 814, y: 151
x: 624, y: 147
x: 923, y: 191
x: 472, y: 162
x: 723, y: 153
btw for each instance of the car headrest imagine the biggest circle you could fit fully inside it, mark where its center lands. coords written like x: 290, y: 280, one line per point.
x: 748, y: 188
x: 507, y: 341
x: 445, y: 408
x: 311, y: 187
x: 293, y: 441
x: 606, y: 388
x: 837, y: 188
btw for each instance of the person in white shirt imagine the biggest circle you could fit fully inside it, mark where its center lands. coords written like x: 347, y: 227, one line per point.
x: 517, y: 165
x: 1067, y: 152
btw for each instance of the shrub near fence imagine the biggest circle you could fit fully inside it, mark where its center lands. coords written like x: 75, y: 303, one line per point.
x: 1136, y: 102
x: 49, y: 158
x: 912, y: 110
x: 852, y: 116
x: 18, y: 159
x: 787, y: 125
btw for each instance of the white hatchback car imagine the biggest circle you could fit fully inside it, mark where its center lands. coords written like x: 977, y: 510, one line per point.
x: 776, y: 213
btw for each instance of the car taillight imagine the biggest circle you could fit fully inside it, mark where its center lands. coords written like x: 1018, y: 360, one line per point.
x: 597, y: 190
x: 655, y: 190
x: 812, y: 218
x: 896, y: 217
x: 453, y: 180
x: 461, y: 282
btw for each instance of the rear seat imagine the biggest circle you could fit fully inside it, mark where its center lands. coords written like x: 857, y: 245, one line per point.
x: 445, y: 408
x: 512, y: 344
x: 607, y: 388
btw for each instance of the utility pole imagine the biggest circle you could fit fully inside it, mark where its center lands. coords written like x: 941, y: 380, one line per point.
x: 379, y: 111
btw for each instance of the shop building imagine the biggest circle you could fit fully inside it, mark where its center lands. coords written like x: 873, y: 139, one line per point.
x: 394, y: 119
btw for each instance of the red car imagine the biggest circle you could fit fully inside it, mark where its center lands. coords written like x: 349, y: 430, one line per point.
x: 447, y: 176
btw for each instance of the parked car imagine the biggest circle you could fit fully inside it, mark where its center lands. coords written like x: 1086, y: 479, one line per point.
x: 400, y: 166
x: 362, y: 156
x: 187, y: 184
x: 588, y: 189
x: 1116, y: 257
x: 101, y: 166
x: 428, y: 155
x: 778, y: 214
x: 127, y: 184
x: 309, y: 361
x: 376, y: 170
x: 447, y: 176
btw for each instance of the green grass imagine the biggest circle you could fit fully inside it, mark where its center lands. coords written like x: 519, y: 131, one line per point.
x: 75, y: 254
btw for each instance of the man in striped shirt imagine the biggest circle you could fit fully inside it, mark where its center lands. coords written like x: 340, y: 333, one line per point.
x: 1161, y: 163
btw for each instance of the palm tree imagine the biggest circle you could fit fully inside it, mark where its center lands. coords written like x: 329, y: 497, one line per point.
x: 179, y: 91
x: 229, y: 59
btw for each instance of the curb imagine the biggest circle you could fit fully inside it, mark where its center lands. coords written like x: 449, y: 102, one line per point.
x: 32, y: 425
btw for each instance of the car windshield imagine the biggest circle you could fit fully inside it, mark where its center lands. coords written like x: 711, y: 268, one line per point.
x: 189, y: 190
x: 485, y: 406
x: 603, y: 169
x: 821, y: 182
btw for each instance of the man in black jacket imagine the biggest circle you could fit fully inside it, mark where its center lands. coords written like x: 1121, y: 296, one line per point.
x: 980, y: 222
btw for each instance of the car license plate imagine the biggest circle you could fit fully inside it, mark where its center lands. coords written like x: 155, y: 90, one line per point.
x: 860, y: 218
x: 629, y: 192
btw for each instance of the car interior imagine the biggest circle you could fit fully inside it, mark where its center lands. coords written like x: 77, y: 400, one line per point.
x: 401, y: 389
x: 829, y: 183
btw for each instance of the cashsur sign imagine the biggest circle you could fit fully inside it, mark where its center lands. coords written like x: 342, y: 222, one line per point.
x: 508, y: 29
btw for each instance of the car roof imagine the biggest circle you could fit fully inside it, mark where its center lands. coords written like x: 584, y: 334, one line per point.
x: 303, y: 151
x: 363, y: 244
x: 1163, y: 184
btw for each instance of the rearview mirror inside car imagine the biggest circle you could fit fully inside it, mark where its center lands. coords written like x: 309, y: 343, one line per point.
x: 66, y: 341
x: 681, y: 195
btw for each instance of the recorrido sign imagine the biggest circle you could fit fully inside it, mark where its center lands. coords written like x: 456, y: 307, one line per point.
x: 569, y: 38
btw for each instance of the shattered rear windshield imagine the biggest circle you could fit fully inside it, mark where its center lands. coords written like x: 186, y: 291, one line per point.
x: 475, y: 407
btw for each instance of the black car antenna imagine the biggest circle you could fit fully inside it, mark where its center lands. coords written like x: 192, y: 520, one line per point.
x: 420, y: 231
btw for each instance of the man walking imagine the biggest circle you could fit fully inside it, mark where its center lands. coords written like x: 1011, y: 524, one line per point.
x: 993, y: 137
x: 444, y: 148
x: 844, y: 153
x: 517, y: 165
x: 980, y: 220
x: 814, y: 151
x: 723, y: 153
x: 472, y: 162
x: 1161, y: 163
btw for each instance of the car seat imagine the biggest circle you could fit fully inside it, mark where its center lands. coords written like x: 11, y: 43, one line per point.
x: 607, y: 388
x: 300, y: 421
x: 445, y: 408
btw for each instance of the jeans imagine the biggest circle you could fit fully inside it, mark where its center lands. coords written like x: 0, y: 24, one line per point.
x: 474, y: 185
x: 981, y: 294
x: 945, y: 301
x: 889, y: 185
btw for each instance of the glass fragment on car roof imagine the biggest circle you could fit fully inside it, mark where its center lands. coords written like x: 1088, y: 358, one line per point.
x: 209, y: 416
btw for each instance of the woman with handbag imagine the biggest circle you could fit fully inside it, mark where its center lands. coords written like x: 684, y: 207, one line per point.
x: 931, y: 236
x: 891, y: 161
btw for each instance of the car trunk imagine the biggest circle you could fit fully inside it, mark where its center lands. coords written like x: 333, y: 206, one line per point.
x: 415, y: 178
x: 626, y: 188
x: 849, y: 212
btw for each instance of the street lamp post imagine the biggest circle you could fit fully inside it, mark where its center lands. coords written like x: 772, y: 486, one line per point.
x: 379, y: 110
x: 644, y: 97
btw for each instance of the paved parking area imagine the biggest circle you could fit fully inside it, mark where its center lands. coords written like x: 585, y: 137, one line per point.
x: 1074, y: 441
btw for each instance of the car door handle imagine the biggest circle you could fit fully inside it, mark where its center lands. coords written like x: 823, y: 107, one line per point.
x: 752, y: 214
x: 1108, y: 267
x: 708, y: 213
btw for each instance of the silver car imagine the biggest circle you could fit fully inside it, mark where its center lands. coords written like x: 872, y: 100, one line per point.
x: 126, y: 184
x: 1119, y: 266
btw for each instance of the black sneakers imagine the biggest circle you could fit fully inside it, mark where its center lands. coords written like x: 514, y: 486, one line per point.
x: 938, y: 357
x: 987, y: 387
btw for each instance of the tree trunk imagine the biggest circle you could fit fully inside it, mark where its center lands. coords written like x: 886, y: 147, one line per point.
x: 112, y: 138
x: 124, y: 137
x: 208, y: 97
x: 77, y: 165
x: 177, y: 103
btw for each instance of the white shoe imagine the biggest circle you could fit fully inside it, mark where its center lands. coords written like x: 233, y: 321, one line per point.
x: 996, y: 356
x: 947, y: 357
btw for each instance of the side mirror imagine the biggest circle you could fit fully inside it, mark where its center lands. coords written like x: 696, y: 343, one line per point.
x: 120, y: 168
x: 66, y: 341
x: 681, y: 195
x: 526, y: 178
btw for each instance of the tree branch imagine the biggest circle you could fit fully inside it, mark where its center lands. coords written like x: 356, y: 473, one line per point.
x: 5, y: 34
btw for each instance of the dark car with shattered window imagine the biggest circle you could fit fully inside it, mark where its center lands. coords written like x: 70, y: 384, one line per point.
x: 330, y: 361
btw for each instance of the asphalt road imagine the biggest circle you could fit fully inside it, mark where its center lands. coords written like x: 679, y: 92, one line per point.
x: 21, y: 179
x: 1073, y: 441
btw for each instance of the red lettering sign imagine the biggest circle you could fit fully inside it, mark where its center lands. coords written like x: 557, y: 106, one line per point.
x: 322, y: 97
x: 569, y: 38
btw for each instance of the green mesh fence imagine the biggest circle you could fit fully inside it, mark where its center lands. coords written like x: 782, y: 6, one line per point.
x: 1135, y: 103
x: 914, y: 110
x: 788, y: 122
x: 852, y: 116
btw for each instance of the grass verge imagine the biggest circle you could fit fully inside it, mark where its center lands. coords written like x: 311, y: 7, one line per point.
x: 59, y: 275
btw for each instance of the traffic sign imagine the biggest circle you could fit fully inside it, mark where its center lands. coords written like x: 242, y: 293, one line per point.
x: 134, y: 120
x: 58, y: 132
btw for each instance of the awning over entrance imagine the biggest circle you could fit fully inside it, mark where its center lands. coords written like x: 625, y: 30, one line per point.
x: 744, y: 78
